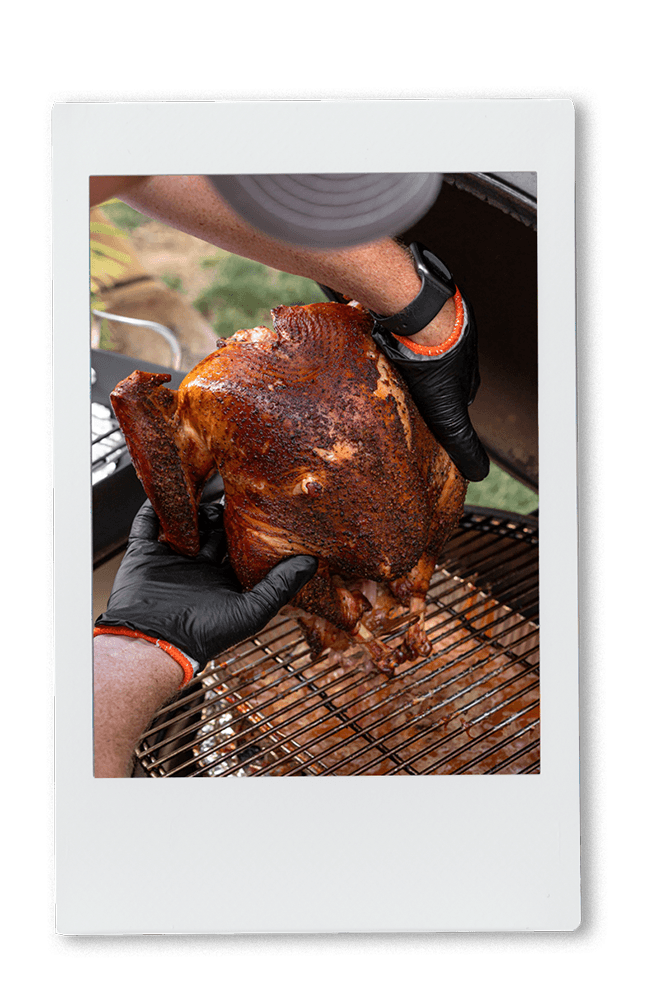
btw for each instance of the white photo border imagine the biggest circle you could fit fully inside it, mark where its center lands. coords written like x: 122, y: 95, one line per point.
x: 373, y: 854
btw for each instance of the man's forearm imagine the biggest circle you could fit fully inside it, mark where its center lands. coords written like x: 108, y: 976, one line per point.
x: 132, y: 679
x: 380, y: 275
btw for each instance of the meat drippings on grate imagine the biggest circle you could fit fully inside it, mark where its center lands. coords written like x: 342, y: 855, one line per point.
x: 471, y: 707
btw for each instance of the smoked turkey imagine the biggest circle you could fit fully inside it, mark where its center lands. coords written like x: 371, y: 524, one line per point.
x: 321, y: 451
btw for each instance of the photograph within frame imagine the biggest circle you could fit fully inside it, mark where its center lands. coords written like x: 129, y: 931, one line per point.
x: 269, y: 706
x: 476, y: 854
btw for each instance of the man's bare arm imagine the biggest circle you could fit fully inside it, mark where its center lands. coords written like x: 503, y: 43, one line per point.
x: 379, y: 275
x: 132, y: 679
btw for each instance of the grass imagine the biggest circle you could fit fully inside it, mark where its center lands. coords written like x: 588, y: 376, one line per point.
x: 174, y: 282
x: 242, y: 295
x: 244, y: 292
x: 499, y: 490
x: 123, y: 216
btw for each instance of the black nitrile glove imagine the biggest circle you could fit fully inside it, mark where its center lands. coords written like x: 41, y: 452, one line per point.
x: 442, y: 388
x: 195, y: 603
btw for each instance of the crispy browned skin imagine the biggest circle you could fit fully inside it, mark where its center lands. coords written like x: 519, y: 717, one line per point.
x: 321, y: 451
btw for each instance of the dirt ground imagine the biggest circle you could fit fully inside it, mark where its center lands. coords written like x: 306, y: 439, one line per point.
x: 162, y: 253
x: 165, y: 251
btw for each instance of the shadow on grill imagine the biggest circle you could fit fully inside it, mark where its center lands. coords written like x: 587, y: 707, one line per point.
x: 265, y: 708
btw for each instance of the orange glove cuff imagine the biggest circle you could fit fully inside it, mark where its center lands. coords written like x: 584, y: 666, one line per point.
x: 176, y: 654
x: 447, y: 344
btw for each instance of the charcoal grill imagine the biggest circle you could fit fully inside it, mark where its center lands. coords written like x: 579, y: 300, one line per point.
x: 266, y: 708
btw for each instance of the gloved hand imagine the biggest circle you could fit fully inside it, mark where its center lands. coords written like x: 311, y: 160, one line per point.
x: 195, y: 603
x: 442, y: 388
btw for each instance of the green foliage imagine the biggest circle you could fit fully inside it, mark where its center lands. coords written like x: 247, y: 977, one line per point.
x: 214, y: 259
x: 106, y: 262
x: 105, y: 338
x: 174, y: 282
x: 499, y: 490
x: 122, y: 215
x: 244, y: 292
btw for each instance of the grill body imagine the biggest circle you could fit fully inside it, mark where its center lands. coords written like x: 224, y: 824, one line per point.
x: 484, y: 228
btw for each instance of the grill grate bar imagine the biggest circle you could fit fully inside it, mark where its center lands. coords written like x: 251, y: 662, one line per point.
x: 480, y: 606
x: 476, y: 632
x: 248, y: 711
x: 469, y: 724
x: 225, y: 750
x: 108, y: 445
x: 500, y: 744
x: 477, y: 551
x: 286, y: 722
x: 497, y: 556
x: 309, y: 682
x: 513, y: 596
x: 399, y: 626
x: 404, y: 692
x: 351, y: 722
x: 244, y: 712
x: 276, y: 741
x: 473, y: 669
x: 513, y: 758
x: 341, y: 692
x: 486, y: 563
x: 405, y: 623
x: 430, y: 728
x: 518, y: 527
x: 209, y: 674
x: 464, y: 729
x: 269, y: 708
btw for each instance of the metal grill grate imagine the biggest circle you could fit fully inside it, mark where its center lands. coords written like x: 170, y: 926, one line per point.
x: 265, y: 708
x: 108, y: 444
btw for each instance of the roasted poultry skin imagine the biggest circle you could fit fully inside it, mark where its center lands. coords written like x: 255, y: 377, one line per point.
x: 321, y: 451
